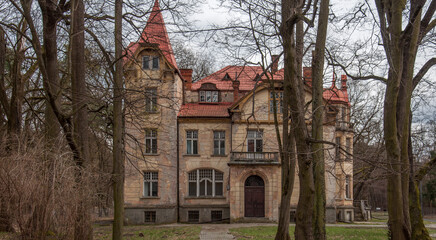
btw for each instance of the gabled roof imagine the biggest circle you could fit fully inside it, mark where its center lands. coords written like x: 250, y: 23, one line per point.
x: 246, y: 75
x: 155, y: 32
x: 205, y: 110
x: 334, y: 95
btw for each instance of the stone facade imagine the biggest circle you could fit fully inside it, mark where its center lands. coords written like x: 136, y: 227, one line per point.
x: 207, y: 151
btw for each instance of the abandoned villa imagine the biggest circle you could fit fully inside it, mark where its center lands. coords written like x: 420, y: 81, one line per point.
x: 206, y: 151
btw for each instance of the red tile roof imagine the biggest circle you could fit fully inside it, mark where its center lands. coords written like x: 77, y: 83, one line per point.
x: 244, y: 74
x: 155, y: 32
x: 205, y: 110
x: 334, y: 95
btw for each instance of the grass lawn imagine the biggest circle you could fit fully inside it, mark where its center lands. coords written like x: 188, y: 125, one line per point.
x: 138, y: 233
x: 333, y: 233
x: 150, y: 232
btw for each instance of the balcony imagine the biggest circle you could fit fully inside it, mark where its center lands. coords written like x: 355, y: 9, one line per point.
x: 260, y: 158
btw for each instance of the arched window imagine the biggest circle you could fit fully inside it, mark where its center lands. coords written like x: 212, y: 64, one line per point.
x: 205, y: 183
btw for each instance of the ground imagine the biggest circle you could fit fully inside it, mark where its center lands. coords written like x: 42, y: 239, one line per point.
x: 375, y: 230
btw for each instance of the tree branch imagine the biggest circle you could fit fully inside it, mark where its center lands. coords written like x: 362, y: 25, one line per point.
x: 430, y: 63
x: 420, y: 174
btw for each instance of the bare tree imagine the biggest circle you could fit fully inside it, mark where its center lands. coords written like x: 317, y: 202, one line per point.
x: 118, y: 159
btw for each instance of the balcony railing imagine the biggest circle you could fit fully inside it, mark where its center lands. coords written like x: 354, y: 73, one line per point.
x: 254, y: 157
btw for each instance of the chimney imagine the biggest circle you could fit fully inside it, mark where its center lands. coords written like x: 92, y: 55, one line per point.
x: 187, y: 77
x: 343, y: 82
x: 307, y: 76
x: 275, y: 63
x: 235, y: 85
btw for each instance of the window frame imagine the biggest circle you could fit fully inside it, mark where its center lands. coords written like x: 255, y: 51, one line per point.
x: 150, y: 62
x: 151, y: 98
x: 348, y: 144
x: 338, y: 149
x: 191, y: 141
x: 197, y: 176
x: 258, y: 138
x: 151, y: 218
x: 149, y: 178
x: 219, y: 138
x: 279, y: 101
x: 347, y: 184
x: 151, y: 137
x: 208, y: 96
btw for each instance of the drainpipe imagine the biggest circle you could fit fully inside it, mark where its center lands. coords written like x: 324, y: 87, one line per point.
x: 178, y: 176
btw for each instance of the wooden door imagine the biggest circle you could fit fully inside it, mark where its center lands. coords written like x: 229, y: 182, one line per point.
x: 254, y: 197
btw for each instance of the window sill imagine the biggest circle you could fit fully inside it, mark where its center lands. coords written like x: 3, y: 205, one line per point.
x: 213, y: 155
x: 191, y: 155
x: 206, y: 197
x: 151, y: 154
x: 151, y: 197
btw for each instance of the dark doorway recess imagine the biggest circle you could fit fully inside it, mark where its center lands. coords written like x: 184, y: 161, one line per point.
x: 254, y: 197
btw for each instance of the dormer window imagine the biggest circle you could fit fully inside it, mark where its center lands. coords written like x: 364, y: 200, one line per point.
x: 150, y: 62
x: 208, y: 96
x: 227, y: 77
x: 208, y: 93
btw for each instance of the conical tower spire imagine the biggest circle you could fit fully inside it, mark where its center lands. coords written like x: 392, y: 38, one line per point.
x: 156, y: 32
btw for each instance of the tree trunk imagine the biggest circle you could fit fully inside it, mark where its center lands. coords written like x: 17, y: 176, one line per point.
x: 15, y: 112
x: 50, y: 17
x: 317, y: 123
x: 287, y: 155
x: 419, y: 231
x: 82, y: 225
x: 118, y: 159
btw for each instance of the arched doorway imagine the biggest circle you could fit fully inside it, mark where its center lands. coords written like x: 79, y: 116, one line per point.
x: 254, y: 197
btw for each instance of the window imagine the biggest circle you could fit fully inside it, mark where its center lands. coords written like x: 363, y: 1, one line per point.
x: 205, y: 182
x: 150, y: 184
x: 338, y: 150
x: 192, y: 142
x: 208, y: 96
x: 193, y: 216
x: 216, y: 216
x: 348, y: 187
x: 344, y: 114
x: 151, y: 100
x: 219, y: 142
x: 254, y: 141
x: 150, y: 141
x: 348, y: 148
x: 150, y: 62
x: 149, y: 216
x: 279, y: 101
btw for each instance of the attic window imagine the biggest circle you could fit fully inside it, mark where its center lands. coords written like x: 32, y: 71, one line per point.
x: 150, y: 62
x: 208, y: 96
x: 227, y: 77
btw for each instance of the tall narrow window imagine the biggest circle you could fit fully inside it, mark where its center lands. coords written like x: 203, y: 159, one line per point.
x: 150, y: 62
x: 150, y: 141
x: 348, y: 187
x: 155, y: 62
x: 205, y: 182
x: 145, y: 62
x: 344, y: 114
x: 255, y: 141
x: 150, y: 184
x: 151, y: 100
x: 338, y: 150
x: 279, y: 101
x: 348, y: 148
x: 192, y: 142
x: 219, y: 143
